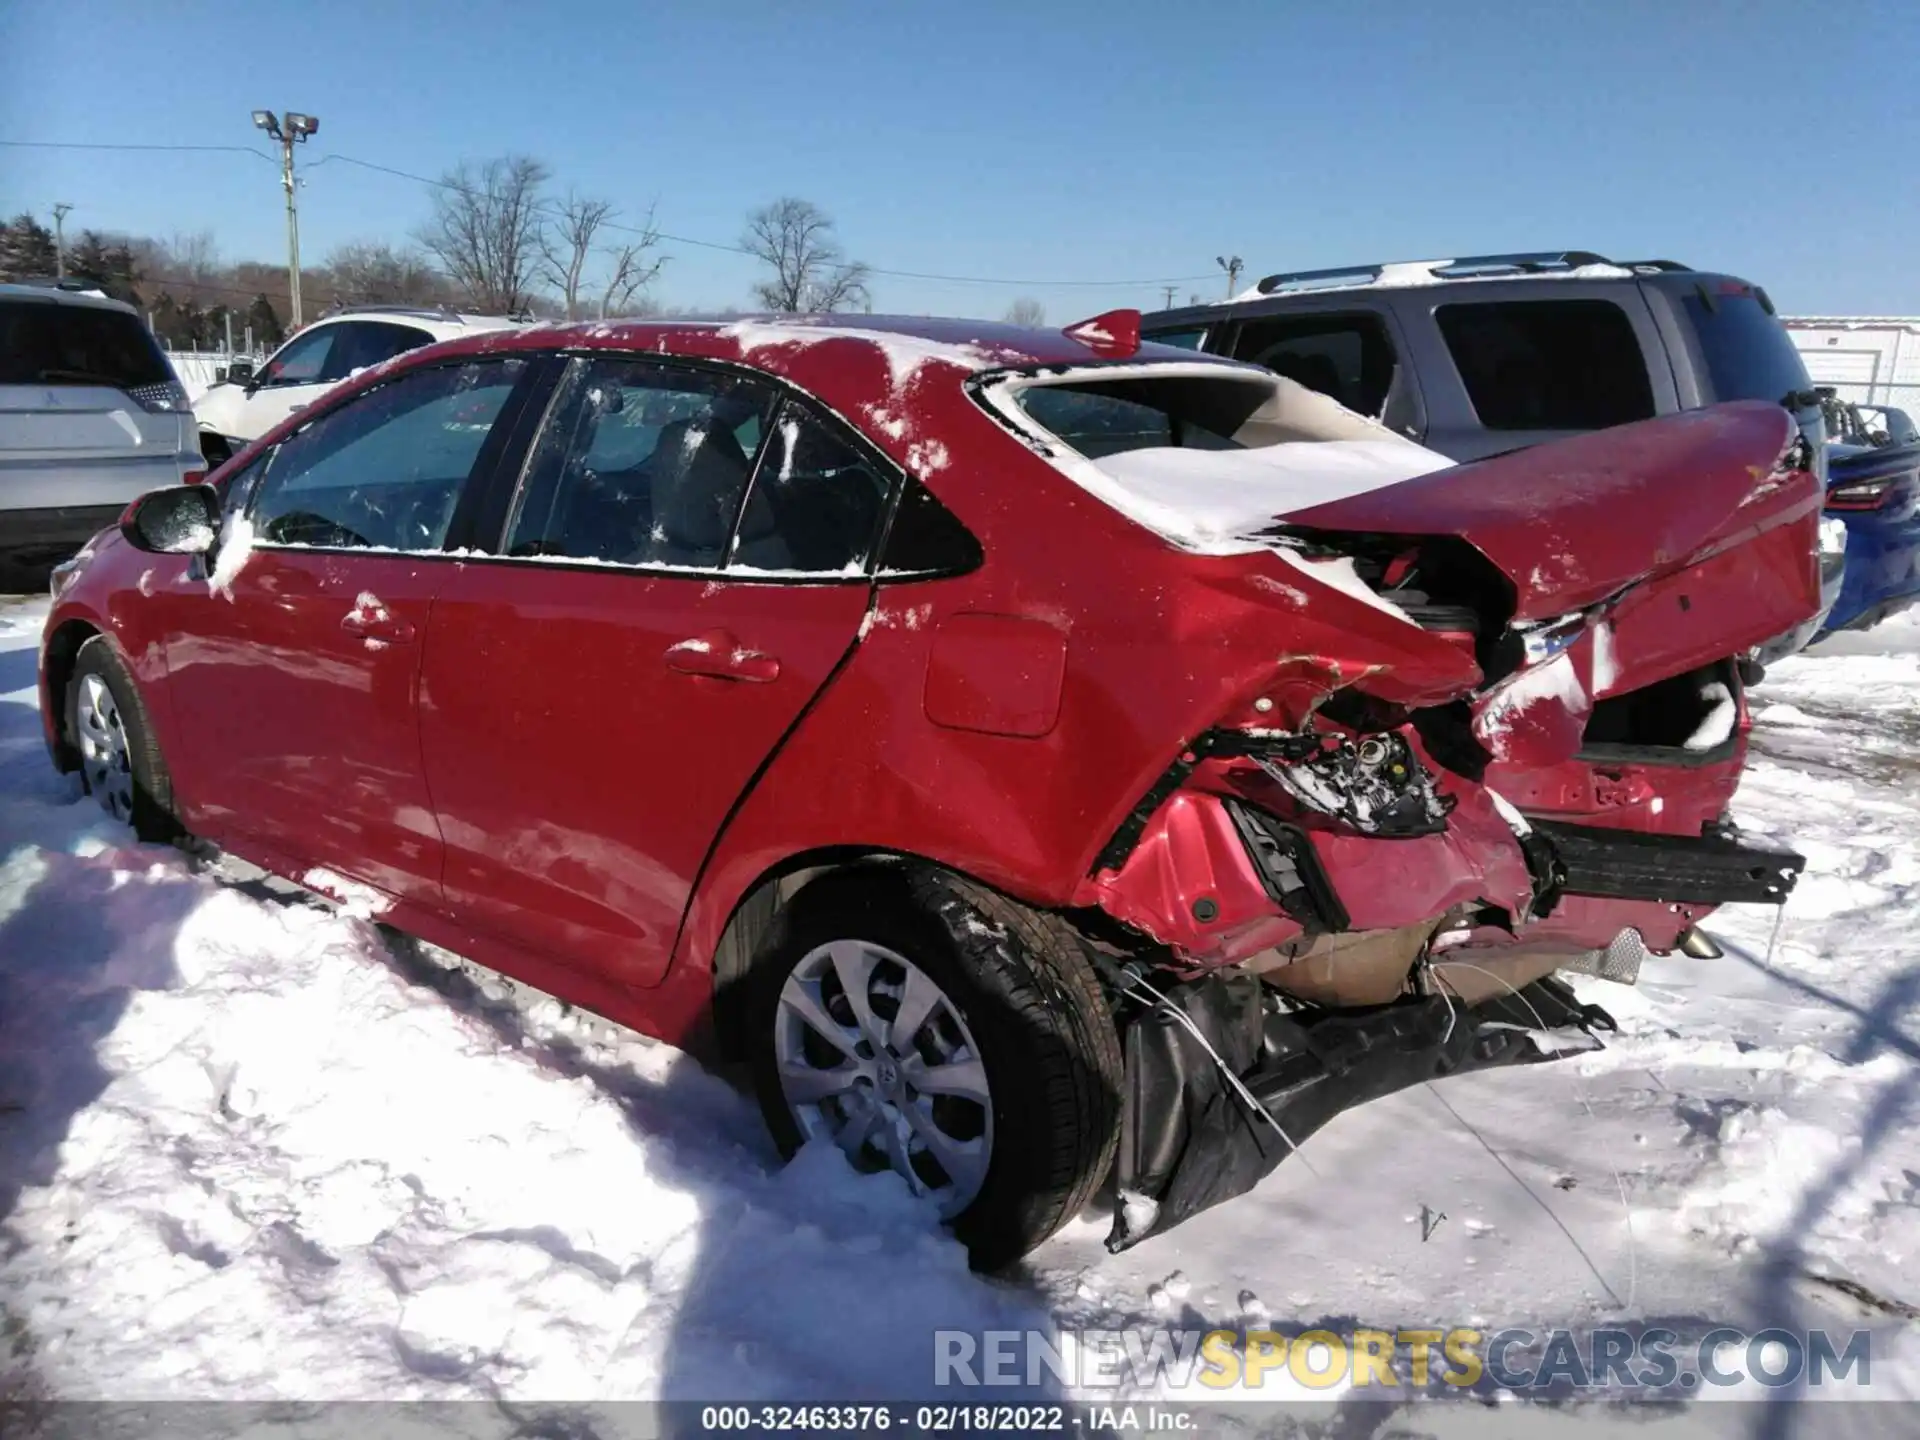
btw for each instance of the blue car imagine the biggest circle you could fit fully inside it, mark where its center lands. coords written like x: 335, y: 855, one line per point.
x: 1875, y: 490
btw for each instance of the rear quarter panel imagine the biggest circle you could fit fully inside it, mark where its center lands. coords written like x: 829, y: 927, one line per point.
x: 1159, y: 646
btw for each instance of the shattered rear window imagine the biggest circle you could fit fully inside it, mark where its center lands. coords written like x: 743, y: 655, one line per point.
x: 1111, y: 417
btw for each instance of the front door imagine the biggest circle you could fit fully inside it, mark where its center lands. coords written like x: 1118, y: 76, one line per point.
x: 294, y: 671
x: 597, y: 698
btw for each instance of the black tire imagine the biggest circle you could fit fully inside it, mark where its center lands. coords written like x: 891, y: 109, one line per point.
x: 152, y: 799
x: 1025, y: 989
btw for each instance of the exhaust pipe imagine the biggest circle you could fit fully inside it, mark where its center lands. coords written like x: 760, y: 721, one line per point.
x: 1697, y: 943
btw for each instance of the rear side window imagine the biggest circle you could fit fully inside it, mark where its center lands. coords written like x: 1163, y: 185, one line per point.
x: 816, y: 502
x: 1747, y: 352
x: 364, y: 343
x: 44, y: 343
x: 1347, y: 357
x: 1548, y: 364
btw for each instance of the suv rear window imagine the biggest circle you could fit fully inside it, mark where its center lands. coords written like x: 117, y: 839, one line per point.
x: 1548, y: 364
x: 1747, y: 351
x: 47, y: 343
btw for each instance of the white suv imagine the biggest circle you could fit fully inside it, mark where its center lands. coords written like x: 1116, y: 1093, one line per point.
x: 91, y: 417
x: 338, y: 345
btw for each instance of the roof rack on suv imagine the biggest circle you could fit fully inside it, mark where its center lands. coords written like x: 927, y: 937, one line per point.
x: 1422, y: 272
x: 428, y: 312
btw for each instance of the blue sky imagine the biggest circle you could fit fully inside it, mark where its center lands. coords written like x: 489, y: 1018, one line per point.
x: 1031, y: 142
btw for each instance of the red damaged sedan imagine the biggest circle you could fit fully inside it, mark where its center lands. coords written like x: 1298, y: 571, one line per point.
x: 1040, y: 755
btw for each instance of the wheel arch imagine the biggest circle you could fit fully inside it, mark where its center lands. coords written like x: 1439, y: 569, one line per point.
x: 57, y: 659
x: 760, y: 906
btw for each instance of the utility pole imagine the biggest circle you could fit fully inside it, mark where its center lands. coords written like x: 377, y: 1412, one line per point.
x: 1169, y: 289
x: 1232, y: 267
x: 60, y: 210
x: 298, y: 127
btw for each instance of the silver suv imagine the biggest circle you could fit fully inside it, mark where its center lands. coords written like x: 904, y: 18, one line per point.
x: 91, y: 417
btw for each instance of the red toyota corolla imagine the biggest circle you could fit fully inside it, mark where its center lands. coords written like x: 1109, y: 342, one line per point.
x: 1040, y: 755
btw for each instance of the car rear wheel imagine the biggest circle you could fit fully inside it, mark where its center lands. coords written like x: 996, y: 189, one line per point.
x: 120, y: 762
x: 929, y: 1026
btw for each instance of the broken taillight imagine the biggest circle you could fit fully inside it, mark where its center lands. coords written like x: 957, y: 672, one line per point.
x: 1375, y: 784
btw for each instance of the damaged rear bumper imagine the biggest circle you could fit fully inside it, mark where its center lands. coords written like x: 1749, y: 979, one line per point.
x: 1369, y: 981
x: 1218, y: 879
x: 1191, y: 1137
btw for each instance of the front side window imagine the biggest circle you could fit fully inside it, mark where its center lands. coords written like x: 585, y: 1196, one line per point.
x: 1346, y: 357
x: 303, y: 359
x: 641, y: 464
x: 1548, y: 364
x: 386, y: 469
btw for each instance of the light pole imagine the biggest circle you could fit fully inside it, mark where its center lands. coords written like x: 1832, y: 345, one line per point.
x: 1232, y: 267
x: 60, y: 210
x: 297, y: 128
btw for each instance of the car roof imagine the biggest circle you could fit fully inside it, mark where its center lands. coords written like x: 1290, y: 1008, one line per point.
x: 442, y: 322
x: 768, y: 341
x: 64, y: 294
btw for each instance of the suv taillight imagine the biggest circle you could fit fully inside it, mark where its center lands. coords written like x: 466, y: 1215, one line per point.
x: 1863, y: 495
x: 164, y: 398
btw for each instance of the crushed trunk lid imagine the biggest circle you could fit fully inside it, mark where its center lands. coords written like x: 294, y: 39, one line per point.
x: 1633, y: 554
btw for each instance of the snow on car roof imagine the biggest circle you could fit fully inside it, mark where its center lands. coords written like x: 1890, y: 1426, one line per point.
x: 908, y: 341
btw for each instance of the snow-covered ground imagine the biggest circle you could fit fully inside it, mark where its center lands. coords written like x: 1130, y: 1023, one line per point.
x: 251, y: 1149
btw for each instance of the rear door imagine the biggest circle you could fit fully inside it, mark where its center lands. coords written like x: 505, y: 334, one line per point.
x: 1504, y: 365
x: 293, y: 672
x: 598, y: 696
x: 91, y: 414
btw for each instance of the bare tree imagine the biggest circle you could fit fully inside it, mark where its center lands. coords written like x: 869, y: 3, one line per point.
x: 488, y: 231
x: 372, y: 272
x: 195, y: 257
x: 810, y: 270
x: 568, y: 248
x: 1027, y: 311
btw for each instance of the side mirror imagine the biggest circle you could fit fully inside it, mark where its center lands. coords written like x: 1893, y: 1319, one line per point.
x: 179, y: 520
x: 240, y: 372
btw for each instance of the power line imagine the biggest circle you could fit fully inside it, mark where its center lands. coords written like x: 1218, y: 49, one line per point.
x: 86, y: 145
x: 548, y: 208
